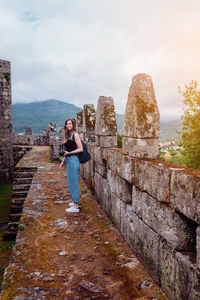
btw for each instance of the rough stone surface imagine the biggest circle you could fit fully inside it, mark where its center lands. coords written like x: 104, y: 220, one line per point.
x: 28, y: 131
x: 142, y: 118
x: 105, y: 117
x: 187, y: 278
x: 198, y: 246
x: 185, y: 194
x: 115, y: 212
x: 140, y: 148
x: 121, y: 188
x: 6, y: 132
x: 167, y: 268
x: 165, y: 221
x: 106, y: 141
x: 145, y: 244
x: 153, y: 178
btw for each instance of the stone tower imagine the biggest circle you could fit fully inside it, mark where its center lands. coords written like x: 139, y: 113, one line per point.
x: 6, y: 131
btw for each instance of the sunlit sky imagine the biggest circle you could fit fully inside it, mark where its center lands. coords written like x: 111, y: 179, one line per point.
x: 78, y: 50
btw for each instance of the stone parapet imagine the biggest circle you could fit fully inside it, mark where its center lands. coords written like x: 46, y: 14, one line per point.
x: 154, y: 218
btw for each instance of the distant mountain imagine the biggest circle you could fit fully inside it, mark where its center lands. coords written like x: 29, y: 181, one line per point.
x: 168, y: 130
x: 38, y: 115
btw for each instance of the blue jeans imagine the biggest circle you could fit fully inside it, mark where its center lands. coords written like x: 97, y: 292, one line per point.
x: 73, y: 167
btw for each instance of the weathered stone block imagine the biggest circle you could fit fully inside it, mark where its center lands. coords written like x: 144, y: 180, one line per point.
x: 106, y: 197
x: 97, y: 154
x: 140, y: 148
x: 125, y: 222
x: 176, y: 230
x: 105, y: 117
x: 121, y: 188
x: 145, y: 243
x: 114, y: 160
x: 106, y: 141
x: 187, y: 277
x: 128, y: 169
x: 79, y: 121
x: 198, y: 246
x: 185, y: 194
x: 89, y: 117
x: 100, y: 170
x: 167, y: 268
x: 153, y: 178
x: 115, y: 212
x: 98, y: 186
x: 142, y: 118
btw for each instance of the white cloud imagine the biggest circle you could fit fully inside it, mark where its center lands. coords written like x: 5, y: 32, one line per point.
x: 77, y: 50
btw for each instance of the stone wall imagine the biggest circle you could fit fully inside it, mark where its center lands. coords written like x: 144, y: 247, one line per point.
x: 156, y: 207
x: 6, y: 135
x: 48, y: 138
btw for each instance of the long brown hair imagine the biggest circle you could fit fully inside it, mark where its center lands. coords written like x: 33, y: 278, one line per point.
x: 67, y: 134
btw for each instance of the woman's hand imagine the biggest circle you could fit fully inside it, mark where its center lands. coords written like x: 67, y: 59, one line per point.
x: 61, y: 165
x: 66, y: 153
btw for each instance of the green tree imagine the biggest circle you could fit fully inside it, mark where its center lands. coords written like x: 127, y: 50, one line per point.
x: 190, y: 132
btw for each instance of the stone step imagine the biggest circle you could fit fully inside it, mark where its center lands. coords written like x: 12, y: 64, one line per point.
x: 25, y: 169
x: 19, y: 180
x: 17, y: 201
x: 16, y: 209
x: 22, y: 175
x: 15, y: 217
x: 13, y: 227
x: 9, y: 235
x: 19, y: 194
x: 21, y: 187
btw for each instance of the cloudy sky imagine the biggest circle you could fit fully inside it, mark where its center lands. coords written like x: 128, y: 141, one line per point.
x: 78, y: 50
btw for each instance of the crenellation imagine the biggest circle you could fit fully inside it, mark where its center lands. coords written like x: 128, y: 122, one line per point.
x: 156, y: 207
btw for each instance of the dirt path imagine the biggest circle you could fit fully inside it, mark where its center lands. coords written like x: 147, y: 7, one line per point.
x: 70, y: 256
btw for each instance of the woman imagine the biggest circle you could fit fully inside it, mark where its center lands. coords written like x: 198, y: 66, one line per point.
x: 73, y: 146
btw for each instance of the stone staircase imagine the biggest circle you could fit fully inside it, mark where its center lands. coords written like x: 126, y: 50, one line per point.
x: 22, y: 178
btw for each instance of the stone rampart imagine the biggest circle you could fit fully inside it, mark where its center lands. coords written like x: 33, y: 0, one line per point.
x: 156, y: 207
x: 6, y: 135
x: 48, y: 138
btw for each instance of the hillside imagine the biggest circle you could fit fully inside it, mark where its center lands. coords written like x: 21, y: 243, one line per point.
x: 38, y: 115
x: 168, y: 130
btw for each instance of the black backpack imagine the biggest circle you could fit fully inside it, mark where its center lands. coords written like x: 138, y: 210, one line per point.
x: 85, y: 155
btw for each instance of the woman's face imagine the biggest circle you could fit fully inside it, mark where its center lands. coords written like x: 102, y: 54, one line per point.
x: 69, y: 125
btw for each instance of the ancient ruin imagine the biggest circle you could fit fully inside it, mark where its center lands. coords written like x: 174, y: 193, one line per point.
x: 156, y: 207
x: 6, y: 134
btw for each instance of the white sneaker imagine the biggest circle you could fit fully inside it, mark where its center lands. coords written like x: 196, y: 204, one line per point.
x: 72, y: 209
x: 72, y: 204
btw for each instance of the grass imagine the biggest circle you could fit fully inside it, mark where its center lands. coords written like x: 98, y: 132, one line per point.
x: 5, y: 246
x: 173, y: 156
x: 5, y: 252
x: 5, y: 200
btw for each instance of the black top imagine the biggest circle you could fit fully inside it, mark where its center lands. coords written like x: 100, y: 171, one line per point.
x: 70, y: 145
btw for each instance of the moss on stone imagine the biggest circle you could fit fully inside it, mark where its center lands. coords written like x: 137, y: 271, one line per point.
x: 7, y: 76
x: 109, y: 116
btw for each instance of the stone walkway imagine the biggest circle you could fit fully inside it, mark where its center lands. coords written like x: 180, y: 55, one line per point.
x: 70, y: 256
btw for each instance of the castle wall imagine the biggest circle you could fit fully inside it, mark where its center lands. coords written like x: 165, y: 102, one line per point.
x: 6, y: 134
x: 156, y: 207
